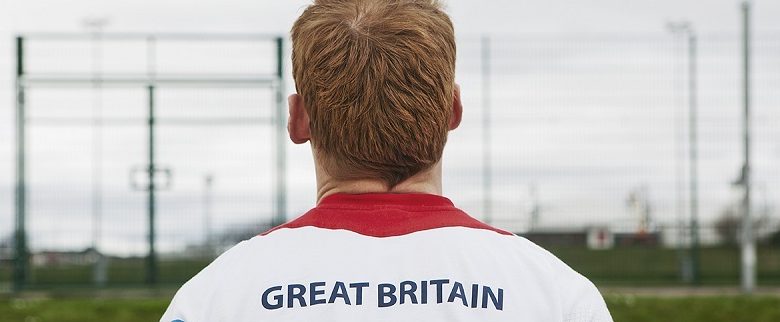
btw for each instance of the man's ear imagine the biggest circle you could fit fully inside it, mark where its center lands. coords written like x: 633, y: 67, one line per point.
x: 457, y: 109
x: 298, y: 123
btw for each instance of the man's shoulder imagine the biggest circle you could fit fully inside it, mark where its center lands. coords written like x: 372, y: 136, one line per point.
x: 580, y: 298
x: 511, y: 262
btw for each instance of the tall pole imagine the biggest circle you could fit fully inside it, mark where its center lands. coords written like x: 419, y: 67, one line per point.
x: 691, y: 270
x: 99, y: 269
x: 679, y: 156
x: 487, y: 175
x: 20, y: 234
x: 97, y: 144
x: 748, y: 253
x: 151, y: 263
x: 693, y: 152
x: 280, y: 215
x: 95, y: 26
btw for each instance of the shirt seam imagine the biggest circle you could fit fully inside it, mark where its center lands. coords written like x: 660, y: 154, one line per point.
x: 399, y: 207
x: 395, y: 235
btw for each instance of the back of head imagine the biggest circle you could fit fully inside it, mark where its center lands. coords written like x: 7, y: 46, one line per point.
x: 377, y: 80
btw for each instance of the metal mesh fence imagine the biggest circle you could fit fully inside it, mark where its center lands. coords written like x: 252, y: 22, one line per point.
x: 587, y: 154
x: 589, y: 135
x: 144, y: 156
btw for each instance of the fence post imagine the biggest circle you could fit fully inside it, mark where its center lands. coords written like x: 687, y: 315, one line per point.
x: 21, y: 253
x: 281, y: 130
x: 151, y: 268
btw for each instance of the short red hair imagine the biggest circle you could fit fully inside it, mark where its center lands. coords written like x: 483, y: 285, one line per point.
x: 377, y: 80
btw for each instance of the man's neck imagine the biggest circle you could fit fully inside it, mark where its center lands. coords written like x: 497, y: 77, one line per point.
x: 428, y: 181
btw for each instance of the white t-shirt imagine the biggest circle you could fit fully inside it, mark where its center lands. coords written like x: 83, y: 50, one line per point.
x: 387, y: 257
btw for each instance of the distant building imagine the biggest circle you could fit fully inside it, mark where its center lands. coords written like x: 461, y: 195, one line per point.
x: 593, y: 238
x: 88, y: 256
x: 557, y: 238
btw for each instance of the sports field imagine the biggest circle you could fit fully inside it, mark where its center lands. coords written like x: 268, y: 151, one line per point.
x: 626, y: 266
x: 623, y: 308
x: 652, y: 274
x: 653, y: 266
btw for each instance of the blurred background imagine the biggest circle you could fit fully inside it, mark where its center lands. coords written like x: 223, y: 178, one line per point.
x: 139, y: 140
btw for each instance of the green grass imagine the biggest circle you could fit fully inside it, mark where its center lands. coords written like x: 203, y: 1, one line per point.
x: 647, y: 266
x: 122, y: 273
x: 81, y: 310
x: 623, y: 308
x: 622, y: 266
x: 694, y: 309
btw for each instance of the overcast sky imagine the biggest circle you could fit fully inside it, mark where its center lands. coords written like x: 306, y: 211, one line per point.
x: 504, y: 16
x: 607, y: 124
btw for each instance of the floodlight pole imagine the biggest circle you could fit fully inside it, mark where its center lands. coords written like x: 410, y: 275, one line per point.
x: 20, y: 241
x: 686, y: 29
x: 679, y: 138
x: 95, y: 27
x: 694, y: 158
x: 748, y: 251
x: 99, y: 269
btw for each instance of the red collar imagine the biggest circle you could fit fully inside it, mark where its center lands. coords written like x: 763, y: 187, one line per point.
x: 385, y: 214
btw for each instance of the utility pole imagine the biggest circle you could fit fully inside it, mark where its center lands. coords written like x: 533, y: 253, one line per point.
x: 748, y: 252
x: 685, y: 28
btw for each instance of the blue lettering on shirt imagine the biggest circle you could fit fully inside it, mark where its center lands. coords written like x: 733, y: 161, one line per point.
x: 387, y: 295
x: 339, y: 291
x: 406, y: 292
